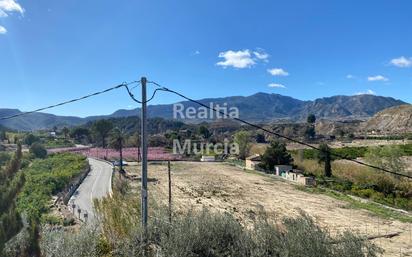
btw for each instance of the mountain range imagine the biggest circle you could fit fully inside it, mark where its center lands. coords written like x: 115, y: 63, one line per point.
x: 260, y: 107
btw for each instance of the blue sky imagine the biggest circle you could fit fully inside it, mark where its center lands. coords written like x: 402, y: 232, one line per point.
x: 52, y: 51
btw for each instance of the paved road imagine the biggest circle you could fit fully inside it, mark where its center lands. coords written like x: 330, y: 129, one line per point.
x: 97, y: 184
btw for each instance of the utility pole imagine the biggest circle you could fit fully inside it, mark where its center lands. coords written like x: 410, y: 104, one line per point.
x: 144, y: 156
x: 170, y: 191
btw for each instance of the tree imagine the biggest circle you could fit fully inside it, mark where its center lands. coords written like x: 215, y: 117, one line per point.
x: 117, y: 140
x: 30, y: 139
x: 276, y: 154
x: 311, y: 119
x: 65, y: 132
x: 38, y: 150
x: 386, y: 157
x: 102, y: 129
x: 260, y: 138
x: 243, y: 139
x: 310, y: 132
x: 204, y: 132
x: 324, y: 156
x: 80, y: 133
x: 158, y: 141
x: 340, y: 132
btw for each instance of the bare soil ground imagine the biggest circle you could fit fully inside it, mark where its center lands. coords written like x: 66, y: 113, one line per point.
x: 230, y: 189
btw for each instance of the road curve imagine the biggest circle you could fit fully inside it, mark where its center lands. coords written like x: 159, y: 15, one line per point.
x: 97, y: 184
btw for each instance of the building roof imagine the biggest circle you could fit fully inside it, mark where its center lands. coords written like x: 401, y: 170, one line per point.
x: 255, y: 157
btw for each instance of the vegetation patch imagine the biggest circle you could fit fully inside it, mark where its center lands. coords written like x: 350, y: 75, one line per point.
x: 11, y: 181
x: 363, y: 182
x: 45, y: 178
x: 374, y: 208
x: 351, y: 152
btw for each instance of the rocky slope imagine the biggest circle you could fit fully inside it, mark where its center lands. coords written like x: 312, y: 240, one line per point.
x: 397, y: 119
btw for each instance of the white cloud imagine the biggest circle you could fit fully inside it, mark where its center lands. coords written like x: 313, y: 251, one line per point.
x: 6, y: 7
x: 367, y: 92
x: 275, y: 85
x: 236, y: 59
x: 10, y: 6
x: 377, y: 78
x: 350, y: 76
x: 278, y: 72
x: 261, y: 55
x: 402, y: 62
x: 197, y: 52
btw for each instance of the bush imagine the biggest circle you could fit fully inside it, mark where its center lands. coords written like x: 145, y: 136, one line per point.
x: 31, y: 139
x: 4, y: 158
x: 68, y: 222
x: 38, y: 151
x: 51, y: 219
x: 59, y: 243
x: 366, y: 193
x: 57, y: 143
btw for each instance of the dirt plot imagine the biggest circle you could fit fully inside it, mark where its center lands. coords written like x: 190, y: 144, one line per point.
x: 230, y: 189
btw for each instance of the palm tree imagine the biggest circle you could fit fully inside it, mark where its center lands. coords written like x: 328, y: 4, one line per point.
x: 118, y: 138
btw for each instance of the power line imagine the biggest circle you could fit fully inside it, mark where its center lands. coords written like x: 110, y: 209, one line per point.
x: 279, y: 135
x: 69, y: 101
x: 129, y: 91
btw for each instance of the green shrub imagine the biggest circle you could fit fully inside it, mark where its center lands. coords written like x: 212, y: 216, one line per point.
x: 366, y: 193
x: 38, y: 151
x: 4, y: 158
x: 30, y: 139
x: 57, y: 143
x: 68, y: 222
x: 51, y: 220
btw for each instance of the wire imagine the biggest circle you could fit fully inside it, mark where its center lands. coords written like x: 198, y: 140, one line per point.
x: 279, y: 135
x: 69, y: 101
x: 129, y: 91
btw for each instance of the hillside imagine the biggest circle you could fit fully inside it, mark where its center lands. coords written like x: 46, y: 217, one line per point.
x: 260, y: 107
x: 36, y: 121
x: 397, y: 119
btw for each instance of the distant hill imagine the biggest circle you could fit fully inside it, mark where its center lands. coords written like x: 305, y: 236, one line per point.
x: 260, y: 107
x: 36, y: 121
x: 263, y: 107
x: 396, y: 119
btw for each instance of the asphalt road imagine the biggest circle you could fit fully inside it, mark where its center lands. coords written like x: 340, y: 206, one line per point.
x: 97, y: 184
